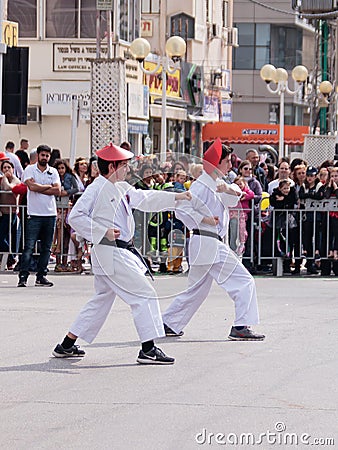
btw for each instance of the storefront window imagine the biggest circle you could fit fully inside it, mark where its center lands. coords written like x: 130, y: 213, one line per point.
x: 24, y: 12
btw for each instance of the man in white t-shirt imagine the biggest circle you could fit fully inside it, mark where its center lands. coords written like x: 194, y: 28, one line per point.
x: 283, y: 174
x: 43, y: 184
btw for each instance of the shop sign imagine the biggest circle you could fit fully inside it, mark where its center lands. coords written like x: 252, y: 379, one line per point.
x: 138, y: 101
x: 226, y: 111
x: 211, y: 106
x: 77, y: 58
x: 146, y: 28
x: 57, y: 96
x: 10, y: 33
x: 104, y: 5
x: 154, y: 81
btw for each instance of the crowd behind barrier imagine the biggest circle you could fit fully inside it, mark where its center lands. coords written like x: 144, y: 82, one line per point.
x: 165, y: 246
x: 286, y: 221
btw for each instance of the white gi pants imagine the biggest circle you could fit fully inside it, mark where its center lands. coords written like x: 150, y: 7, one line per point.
x: 131, y: 285
x: 231, y: 276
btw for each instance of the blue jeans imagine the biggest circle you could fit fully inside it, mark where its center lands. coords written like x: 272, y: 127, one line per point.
x: 37, y: 228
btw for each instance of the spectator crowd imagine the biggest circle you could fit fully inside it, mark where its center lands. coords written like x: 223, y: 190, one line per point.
x: 273, y: 218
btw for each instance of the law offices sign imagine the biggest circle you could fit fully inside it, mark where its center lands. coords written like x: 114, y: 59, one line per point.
x: 57, y: 96
x: 74, y: 57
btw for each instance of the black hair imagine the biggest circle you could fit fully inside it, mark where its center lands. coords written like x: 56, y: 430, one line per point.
x: 43, y: 148
x: 10, y: 144
x: 54, y: 156
x: 225, y: 152
x: 144, y: 168
x: 63, y: 162
x: 7, y: 161
x: 103, y: 165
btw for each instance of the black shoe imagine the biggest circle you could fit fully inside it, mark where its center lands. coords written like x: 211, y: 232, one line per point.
x: 22, y: 282
x: 74, y: 351
x: 312, y: 271
x: 42, y: 281
x: 246, y: 334
x: 169, y: 332
x: 154, y: 356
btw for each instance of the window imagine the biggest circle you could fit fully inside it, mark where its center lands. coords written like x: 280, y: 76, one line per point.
x: 62, y: 19
x: 285, y: 45
x: 25, y: 13
x: 261, y: 44
x: 244, y: 57
x: 130, y: 16
x: 88, y: 19
x: 77, y: 19
x: 150, y: 6
x: 225, y: 14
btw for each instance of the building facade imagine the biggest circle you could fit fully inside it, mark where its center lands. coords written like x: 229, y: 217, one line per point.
x: 61, y: 36
x: 269, y: 34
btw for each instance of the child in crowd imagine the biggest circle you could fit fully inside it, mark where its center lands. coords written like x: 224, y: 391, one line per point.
x: 239, y: 216
x: 180, y: 179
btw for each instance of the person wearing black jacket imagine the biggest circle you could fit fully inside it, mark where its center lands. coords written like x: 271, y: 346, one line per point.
x: 285, y: 197
x: 311, y: 224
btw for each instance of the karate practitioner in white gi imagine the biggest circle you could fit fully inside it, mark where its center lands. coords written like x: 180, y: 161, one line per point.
x: 210, y: 258
x: 103, y: 216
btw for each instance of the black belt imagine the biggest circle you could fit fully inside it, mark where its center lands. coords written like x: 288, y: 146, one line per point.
x: 128, y: 245
x: 207, y: 233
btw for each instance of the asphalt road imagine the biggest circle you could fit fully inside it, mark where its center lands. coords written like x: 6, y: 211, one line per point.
x: 271, y: 394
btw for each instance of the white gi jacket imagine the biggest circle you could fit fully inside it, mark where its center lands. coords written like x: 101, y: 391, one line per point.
x: 106, y: 205
x: 206, y: 202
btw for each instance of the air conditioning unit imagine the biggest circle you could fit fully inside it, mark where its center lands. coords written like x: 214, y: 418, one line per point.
x: 317, y: 6
x: 215, y: 31
x: 33, y: 114
x: 233, y: 37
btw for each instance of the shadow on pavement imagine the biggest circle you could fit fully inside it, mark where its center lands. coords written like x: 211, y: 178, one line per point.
x: 63, y: 366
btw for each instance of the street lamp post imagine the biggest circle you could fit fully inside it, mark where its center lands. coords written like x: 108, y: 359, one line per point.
x: 279, y: 76
x: 170, y: 62
x: 325, y: 89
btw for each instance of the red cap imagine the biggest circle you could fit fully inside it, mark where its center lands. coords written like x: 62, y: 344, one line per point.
x: 212, y: 156
x: 114, y: 153
x: 3, y: 156
x: 19, y: 189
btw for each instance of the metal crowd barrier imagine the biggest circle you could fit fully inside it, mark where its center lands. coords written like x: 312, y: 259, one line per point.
x: 261, y: 246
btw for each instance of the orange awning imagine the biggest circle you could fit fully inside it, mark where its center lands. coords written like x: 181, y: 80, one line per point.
x: 253, y: 133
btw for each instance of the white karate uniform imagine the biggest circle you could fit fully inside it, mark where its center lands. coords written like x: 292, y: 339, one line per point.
x: 117, y: 271
x: 211, y: 259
